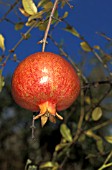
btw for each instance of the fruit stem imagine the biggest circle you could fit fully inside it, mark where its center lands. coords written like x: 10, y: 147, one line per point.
x: 33, y: 127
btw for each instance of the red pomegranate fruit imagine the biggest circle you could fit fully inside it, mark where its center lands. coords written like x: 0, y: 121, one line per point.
x: 47, y: 83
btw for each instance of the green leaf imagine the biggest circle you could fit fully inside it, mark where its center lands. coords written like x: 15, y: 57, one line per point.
x: 30, y: 23
x: 42, y: 2
x: 48, y: 5
x: 63, y: 3
x: 32, y: 167
x: 49, y: 165
x: 88, y: 100
x: 97, y: 113
x: 100, y: 146
x: 72, y: 30
x: 107, y: 58
x: 66, y: 133
x: 60, y: 146
x: 96, y: 47
x: 87, y: 116
x: 29, y: 7
x: 42, y: 26
x: 90, y: 155
x: 19, y: 26
x: 27, y: 163
x: 55, y: 16
x: 108, y: 139
x: 85, y: 46
x: 2, y: 44
x: 24, y: 12
x: 2, y: 82
x: 82, y: 138
x: 36, y: 16
x: 65, y: 14
x: 98, y: 139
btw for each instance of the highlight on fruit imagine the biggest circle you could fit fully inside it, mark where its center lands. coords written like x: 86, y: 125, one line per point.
x: 47, y: 83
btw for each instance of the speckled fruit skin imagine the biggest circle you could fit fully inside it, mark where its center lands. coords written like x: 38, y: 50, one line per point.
x: 45, y: 78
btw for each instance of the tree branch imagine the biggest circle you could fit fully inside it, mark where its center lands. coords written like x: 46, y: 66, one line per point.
x: 48, y: 26
x: 16, y: 45
x: 96, y: 83
x: 68, y: 57
x: 10, y: 9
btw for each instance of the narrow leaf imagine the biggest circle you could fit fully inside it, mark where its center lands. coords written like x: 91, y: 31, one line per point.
x: 72, y: 30
x: 100, y: 146
x: 19, y: 26
x: 36, y: 16
x: 2, y: 44
x: 108, y: 139
x: 23, y: 12
x: 85, y: 46
x: 66, y: 133
x: 2, y: 82
x: 29, y: 7
x: 63, y: 3
x: 32, y: 167
x: 60, y: 146
x: 48, y: 5
x: 65, y: 14
x: 87, y: 100
x: 27, y: 163
x: 42, y: 26
x: 30, y: 23
x: 98, y: 139
x: 97, y: 47
x: 48, y: 165
x: 82, y: 138
x: 42, y: 2
x: 97, y: 113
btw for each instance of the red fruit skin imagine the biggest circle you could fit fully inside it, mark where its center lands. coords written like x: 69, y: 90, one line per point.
x: 45, y: 77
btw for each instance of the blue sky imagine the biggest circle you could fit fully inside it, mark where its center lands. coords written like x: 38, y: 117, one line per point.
x: 88, y: 17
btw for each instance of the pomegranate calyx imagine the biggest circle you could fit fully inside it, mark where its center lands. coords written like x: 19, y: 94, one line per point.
x: 59, y: 116
x: 44, y: 119
x: 47, y: 111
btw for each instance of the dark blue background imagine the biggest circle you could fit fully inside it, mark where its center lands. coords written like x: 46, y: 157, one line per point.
x: 88, y: 17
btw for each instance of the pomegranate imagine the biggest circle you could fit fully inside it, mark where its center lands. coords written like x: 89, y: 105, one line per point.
x: 47, y: 83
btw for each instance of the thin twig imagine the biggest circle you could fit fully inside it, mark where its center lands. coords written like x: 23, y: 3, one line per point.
x: 71, y: 6
x: 63, y: 162
x: 101, y: 99
x: 33, y: 127
x: 97, y: 127
x: 8, y: 20
x: 16, y: 45
x: 68, y: 57
x: 105, y: 166
x: 97, y: 56
x: 78, y: 132
x: 96, y: 83
x: 48, y: 26
x: 81, y: 116
x: 105, y: 36
x: 108, y: 158
x: 10, y: 9
x: 93, y: 51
